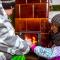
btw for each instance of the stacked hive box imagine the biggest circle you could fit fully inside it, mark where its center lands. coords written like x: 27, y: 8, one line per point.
x: 32, y: 15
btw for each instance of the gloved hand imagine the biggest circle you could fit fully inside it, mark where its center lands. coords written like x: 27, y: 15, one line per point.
x: 31, y: 45
x: 29, y: 42
x: 14, y: 51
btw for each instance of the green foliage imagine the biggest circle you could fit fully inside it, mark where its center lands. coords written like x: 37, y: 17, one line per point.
x: 55, y: 8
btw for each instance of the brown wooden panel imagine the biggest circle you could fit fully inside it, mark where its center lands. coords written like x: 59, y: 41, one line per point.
x: 41, y: 10
x: 20, y: 25
x: 26, y: 11
x: 44, y: 1
x: 33, y: 24
x: 17, y: 12
x: 33, y: 1
x: 29, y: 24
x: 20, y: 1
x: 44, y: 26
x: 47, y: 27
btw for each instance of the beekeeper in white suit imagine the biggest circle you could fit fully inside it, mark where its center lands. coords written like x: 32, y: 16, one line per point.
x: 10, y: 43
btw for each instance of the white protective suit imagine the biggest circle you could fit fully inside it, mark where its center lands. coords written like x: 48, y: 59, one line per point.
x: 9, y: 42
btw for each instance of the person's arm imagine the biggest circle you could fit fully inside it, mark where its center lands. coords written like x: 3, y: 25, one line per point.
x: 47, y: 52
x: 8, y: 38
x: 41, y: 51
